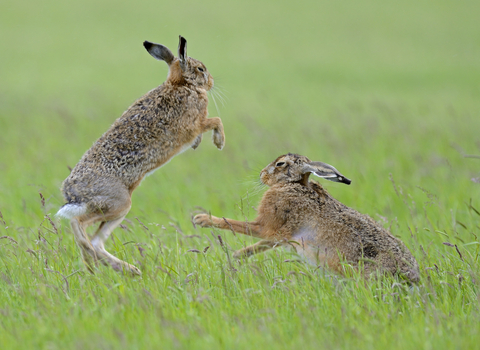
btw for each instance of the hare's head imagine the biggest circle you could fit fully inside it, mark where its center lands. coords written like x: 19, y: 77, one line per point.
x: 183, y: 70
x: 296, y: 168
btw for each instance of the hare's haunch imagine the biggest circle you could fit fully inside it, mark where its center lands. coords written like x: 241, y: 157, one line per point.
x: 165, y: 122
x: 325, y: 231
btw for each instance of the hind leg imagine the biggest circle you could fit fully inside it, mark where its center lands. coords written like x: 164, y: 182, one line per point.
x: 109, y: 206
x: 82, y: 241
x: 98, y: 243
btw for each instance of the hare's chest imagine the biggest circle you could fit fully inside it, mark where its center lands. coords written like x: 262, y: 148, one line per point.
x: 179, y: 150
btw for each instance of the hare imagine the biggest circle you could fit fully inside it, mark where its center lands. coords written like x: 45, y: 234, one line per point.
x: 163, y: 123
x: 323, y: 230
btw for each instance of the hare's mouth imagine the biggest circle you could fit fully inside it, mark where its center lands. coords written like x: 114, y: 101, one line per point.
x: 263, y: 178
x: 210, y: 83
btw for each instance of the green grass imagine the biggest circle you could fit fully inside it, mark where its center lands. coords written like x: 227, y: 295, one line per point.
x: 387, y: 92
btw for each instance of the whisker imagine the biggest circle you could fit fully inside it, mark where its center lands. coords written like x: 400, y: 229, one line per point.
x: 222, y: 95
x: 256, y: 187
x: 220, y: 98
x: 216, y: 96
x: 219, y: 93
x: 253, y: 193
x: 215, y: 102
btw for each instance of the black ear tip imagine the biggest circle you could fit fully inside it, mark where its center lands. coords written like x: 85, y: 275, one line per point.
x: 147, y: 45
x: 343, y: 180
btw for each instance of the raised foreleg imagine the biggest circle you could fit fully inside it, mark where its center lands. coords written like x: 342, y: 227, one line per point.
x: 245, y: 228
x: 216, y: 125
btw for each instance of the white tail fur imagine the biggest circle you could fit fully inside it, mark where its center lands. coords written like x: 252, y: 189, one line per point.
x: 69, y: 211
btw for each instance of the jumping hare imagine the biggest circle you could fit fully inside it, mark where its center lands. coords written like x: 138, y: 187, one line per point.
x: 163, y: 123
x: 323, y: 230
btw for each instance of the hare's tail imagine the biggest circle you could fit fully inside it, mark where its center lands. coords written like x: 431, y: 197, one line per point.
x: 72, y: 210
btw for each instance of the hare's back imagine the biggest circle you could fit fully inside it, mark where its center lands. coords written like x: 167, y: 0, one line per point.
x: 363, y: 227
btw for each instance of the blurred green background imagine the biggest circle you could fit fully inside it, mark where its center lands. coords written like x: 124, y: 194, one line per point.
x: 373, y: 88
x: 387, y: 92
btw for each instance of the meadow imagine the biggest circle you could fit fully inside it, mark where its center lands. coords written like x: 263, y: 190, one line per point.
x: 387, y: 92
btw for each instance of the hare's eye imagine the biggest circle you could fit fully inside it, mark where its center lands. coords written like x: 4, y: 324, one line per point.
x: 201, y: 69
x: 280, y: 164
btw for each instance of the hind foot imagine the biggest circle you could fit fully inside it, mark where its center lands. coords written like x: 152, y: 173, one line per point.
x: 108, y: 259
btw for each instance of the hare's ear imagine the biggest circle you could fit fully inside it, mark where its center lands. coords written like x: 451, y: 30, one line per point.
x: 326, y: 171
x: 159, y: 52
x: 182, y: 51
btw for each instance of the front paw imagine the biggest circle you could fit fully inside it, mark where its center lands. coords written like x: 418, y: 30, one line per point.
x: 219, y: 139
x: 203, y: 220
x: 197, y: 141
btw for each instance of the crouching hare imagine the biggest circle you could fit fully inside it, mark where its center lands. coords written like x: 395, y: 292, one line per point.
x: 165, y: 122
x: 323, y: 230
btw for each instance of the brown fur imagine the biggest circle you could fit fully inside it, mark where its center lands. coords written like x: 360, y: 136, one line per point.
x: 323, y: 230
x: 158, y: 126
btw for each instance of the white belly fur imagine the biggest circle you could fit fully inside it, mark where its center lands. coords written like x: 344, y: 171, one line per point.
x: 308, y: 248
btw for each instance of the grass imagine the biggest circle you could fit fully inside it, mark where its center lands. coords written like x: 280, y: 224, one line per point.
x: 386, y: 92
